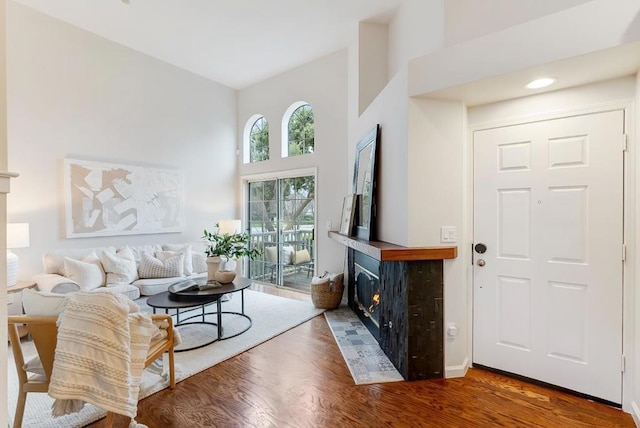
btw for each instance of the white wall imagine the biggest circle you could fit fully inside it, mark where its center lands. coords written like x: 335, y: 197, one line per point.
x: 416, y: 29
x: 437, y: 191
x: 74, y: 94
x: 323, y: 84
x: 373, y: 61
x: 389, y: 109
x: 468, y: 19
x: 603, y: 24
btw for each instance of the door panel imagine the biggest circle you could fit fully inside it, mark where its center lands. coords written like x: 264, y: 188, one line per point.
x: 548, y: 205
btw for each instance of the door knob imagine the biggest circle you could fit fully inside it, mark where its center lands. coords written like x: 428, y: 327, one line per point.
x: 481, y: 262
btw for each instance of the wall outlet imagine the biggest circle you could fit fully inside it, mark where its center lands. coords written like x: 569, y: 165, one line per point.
x: 448, y: 234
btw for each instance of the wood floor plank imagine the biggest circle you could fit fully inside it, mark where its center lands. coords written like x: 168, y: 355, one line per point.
x: 299, y: 379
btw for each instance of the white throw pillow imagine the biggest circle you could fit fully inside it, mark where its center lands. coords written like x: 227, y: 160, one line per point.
x: 41, y: 303
x: 199, y: 262
x: 184, y: 249
x: 287, y: 254
x: 120, y: 266
x: 168, y: 264
x: 87, y: 273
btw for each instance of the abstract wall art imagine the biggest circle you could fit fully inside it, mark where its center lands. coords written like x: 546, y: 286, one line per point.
x: 105, y: 199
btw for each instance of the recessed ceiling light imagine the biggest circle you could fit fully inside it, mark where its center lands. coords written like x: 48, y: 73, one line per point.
x: 541, y: 83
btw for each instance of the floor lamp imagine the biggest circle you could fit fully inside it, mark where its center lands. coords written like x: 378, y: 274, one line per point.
x: 17, y: 237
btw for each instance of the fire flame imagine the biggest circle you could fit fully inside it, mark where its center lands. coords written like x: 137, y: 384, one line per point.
x: 376, y: 301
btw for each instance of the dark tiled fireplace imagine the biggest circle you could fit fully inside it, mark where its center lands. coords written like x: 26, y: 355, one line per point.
x: 398, y: 294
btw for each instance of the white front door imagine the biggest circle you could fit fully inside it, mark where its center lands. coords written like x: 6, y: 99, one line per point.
x: 548, y: 206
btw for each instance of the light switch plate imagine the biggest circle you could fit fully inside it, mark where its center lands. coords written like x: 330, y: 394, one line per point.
x: 448, y: 234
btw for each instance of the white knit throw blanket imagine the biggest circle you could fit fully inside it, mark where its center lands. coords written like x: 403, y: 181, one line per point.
x: 103, y: 340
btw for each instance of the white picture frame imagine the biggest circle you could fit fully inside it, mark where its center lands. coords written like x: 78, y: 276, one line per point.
x: 348, y: 210
x: 108, y: 199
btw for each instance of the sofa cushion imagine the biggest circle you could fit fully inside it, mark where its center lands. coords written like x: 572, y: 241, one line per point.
x: 151, y: 286
x: 184, y: 249
x: 165, y: 264
x: 87, y: 273
x: 55, y: 283
x: 131, y: 291
x: 42, y: 303
x: 119, y: 266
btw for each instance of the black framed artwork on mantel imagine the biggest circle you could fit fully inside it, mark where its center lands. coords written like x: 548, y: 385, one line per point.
x: 364, y: 184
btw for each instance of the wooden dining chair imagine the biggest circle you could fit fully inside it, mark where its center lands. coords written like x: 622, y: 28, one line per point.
x: 34, y: 375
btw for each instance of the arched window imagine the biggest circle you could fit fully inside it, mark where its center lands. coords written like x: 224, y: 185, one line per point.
x: 256, y: 139
x: 298, y: 136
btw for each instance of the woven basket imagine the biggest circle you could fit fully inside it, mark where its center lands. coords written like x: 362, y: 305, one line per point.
x: 326, y: 291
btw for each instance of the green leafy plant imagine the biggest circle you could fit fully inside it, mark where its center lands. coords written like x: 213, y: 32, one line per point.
x: 230, y: 246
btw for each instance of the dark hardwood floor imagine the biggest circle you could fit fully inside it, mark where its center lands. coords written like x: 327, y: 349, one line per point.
x: 299, y: 379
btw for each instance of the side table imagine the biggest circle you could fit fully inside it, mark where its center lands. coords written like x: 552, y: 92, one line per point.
x: 14, y: 301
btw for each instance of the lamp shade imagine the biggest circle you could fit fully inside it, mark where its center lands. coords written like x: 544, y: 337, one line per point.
x: 17, y: 235
x: 229, y: 227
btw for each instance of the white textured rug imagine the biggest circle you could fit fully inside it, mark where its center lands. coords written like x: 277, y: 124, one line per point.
x: 271, y: 315
x: 361, y: 351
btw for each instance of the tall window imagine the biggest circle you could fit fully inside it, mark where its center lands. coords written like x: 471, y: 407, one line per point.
x: 300, y: 130
x: 259, y: 140
x: 281, y: 214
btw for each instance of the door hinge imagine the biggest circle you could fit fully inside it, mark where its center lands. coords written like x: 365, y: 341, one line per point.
x: 625, y: 143
x: 622, y: 360
x: 624, y: 252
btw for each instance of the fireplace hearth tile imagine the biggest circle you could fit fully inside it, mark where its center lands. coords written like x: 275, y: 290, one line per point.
x: 360, y: 350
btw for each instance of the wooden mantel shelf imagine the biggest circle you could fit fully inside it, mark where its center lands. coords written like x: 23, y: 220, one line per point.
x: 385, y: 251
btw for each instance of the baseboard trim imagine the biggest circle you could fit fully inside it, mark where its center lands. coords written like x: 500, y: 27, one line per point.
x: 635, y: 413
x: 457, y: 371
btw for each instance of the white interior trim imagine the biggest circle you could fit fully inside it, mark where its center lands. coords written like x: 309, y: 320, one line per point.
x: 457, y: 371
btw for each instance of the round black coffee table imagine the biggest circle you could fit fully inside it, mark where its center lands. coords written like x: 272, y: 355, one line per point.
x: 201, y: 298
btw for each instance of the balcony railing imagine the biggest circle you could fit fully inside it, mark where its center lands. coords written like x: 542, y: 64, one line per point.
x: 282, y: 253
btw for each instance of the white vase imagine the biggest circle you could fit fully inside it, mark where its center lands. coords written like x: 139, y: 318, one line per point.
x: 213, y: 265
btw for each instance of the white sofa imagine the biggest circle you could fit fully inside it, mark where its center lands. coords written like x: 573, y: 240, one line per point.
x: 134, y: 271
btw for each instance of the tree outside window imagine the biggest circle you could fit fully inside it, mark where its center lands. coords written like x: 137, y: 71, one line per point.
x: 301, y: 131
x: 259, y: 140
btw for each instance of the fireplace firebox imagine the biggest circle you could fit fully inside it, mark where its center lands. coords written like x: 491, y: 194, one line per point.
x: 366, y: 296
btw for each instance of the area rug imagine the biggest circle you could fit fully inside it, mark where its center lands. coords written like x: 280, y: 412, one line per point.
x: 360, y: 350
x: 271, y: 315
